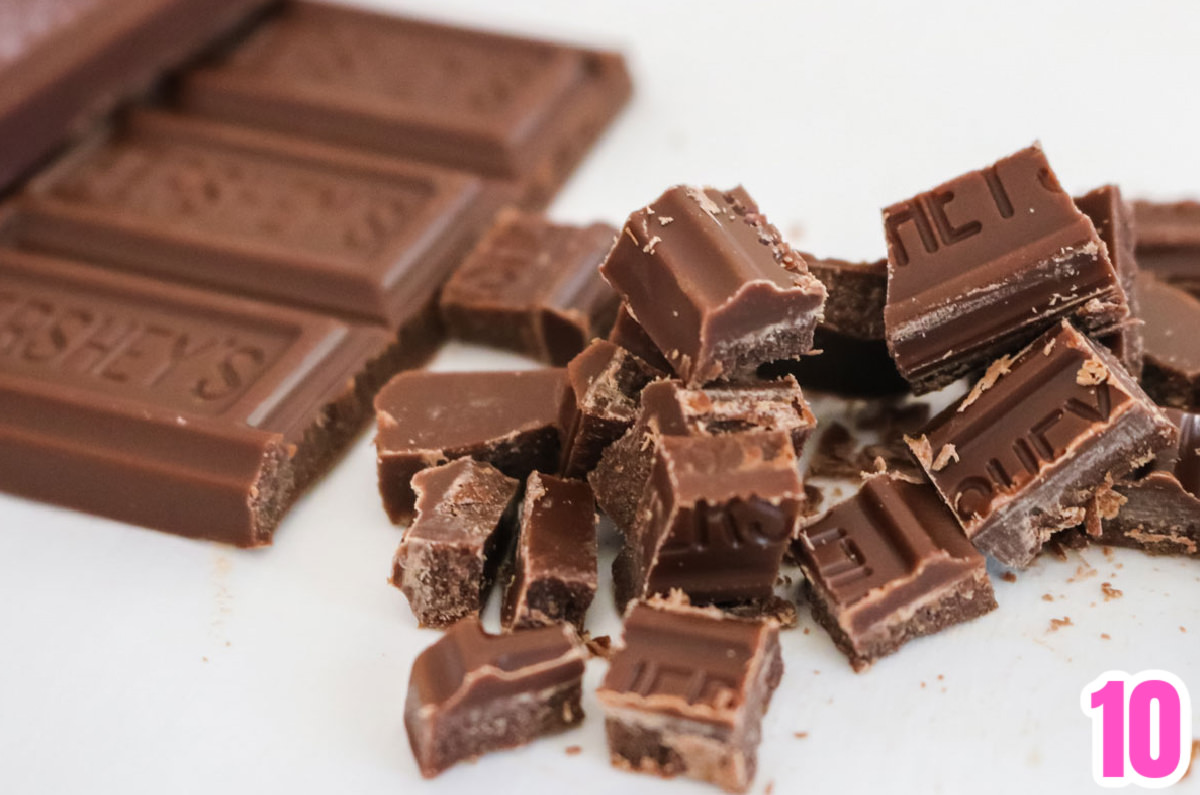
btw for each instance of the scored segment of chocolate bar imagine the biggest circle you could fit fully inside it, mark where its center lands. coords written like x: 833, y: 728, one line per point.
x: 686, y: 692
x: 1036, y: 440
x: 471, y: 693
x: 714, y: 285
x: 980, y: 265
x: 888, y: 565
x: 1168, y: 241
x: 1113, y: 219
x: 1171, y: 316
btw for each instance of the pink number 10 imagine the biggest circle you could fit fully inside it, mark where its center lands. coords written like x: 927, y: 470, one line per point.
x: 1141, y: 726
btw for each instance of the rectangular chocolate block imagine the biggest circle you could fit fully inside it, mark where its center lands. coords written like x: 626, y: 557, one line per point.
x: 888, y: 565
x: 64, y: 64
x: 714, y: 285
x: 449, y: 555
x: 1168, y: 241
x: 508, y: 419
x: 715, y: 517
x: 533, y: 287
x: 605, y: 384
x: 1026, y: 451
x: 510, y: 108
x: 981, y: 265
x: 194, y: 413
x: 1113, y: 219
x: 252, y: 213
x: 629, y: 334
x: 554, y: 577
x: 1171, y: 321
x: 471, y: 693
x: 1159, y: 507
x: 686, y: 693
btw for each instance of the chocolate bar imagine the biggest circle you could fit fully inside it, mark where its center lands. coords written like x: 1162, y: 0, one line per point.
x: 509, y: 108
x: 888, y: 565
x: 533, y: 287
x: 714, y: 520
x: 554, y: 575
x: 686, y: 693
x: 508, y: 419
x: 1034, y: 441
x: 471, y: 693
x: 195, y: 413
x: 1158, y: 509
x: 629, y: 334
x: 606, y: 383
x: 364, y: 237
x: 65, y: 64
x: 669, y: 409
x: 1113, y: 219
x: 1171, y: 317
x: 979, y: 266
x: 1168, y: 241
x: 714, y: 285
x: 449, y: 555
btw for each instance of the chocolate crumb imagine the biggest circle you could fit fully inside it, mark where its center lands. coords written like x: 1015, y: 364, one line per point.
x: 800, y: 735
x: 1008, y: 576
x: 574, y: 750
x: 1091, y: 373
x: 1110, y: 592
x: 1105, y: 636
x: 600, y: 646
x: 1046, y: 597
x: 1058, y: 623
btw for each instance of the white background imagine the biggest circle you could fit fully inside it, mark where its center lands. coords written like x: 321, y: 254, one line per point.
x: 134, y: 662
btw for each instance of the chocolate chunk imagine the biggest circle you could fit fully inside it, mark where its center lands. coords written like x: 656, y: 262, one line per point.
x: 1171, y: 374
x: 857, y: 294
x: 668, y: 409
x: 981, y: 265
x: 714, y: 520
x: 1113, y: 219
x: 555, y: 571
x: 533, y: 287
x: 606, y: 383
x: 714, y: 285
x: 629, y: 334
x: 1022, y: 455
x: 888, y: 565
x: 64, y: 64
x: 1168, y: 241
x: 449, y: 555
x: 686, y: 693
x: 471, y: 693
x: 513, y: 109
x: 508, y: 419
x: 195, y: 413
x: 1158, y: 509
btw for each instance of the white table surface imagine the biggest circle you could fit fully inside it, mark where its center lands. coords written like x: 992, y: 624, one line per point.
x: 135, y: 662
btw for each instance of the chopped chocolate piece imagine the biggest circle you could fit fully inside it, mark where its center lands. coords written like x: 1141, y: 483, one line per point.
x: 1168, y: 241
x: 1171, y: 374
x: 630, y: 335
x: 449, y: 555
x: 508, y: 419
x: 981, y: 265
x: 1113, y: 220
x: 1161, y: 509
x: 1037, y: 438
x: 714, y: 285
x: 888, y: 565
x: 515, y: 109
x: 668, y: 409
x: 606, y: 383
x: 715, y: 517
x: 555, y: 573
x: 857, y: 294
x: 533, y: 287
x: 838, y: 454
x: 686, y: 693
x: 471, y: 693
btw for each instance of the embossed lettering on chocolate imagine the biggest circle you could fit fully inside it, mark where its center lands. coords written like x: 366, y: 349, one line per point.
x: 193, y: 413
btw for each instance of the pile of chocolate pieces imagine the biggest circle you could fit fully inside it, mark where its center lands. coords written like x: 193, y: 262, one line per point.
x: 686, y: 427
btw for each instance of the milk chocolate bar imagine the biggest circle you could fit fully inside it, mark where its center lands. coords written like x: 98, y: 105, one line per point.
x: 471, y: 693
x: 1158, y: 508
x: 65, y: 64
x: 513, y: 109
x: 508, y: 419
x: 605, y: 384
x: 554, y: 577
x: 1113, y: 219
x: 533, y: 287
x: 686, y: 693
x: 1036, y: 439
x: 1168, y: 241
x: 979, y: 266
x: 714, y: 285
x: 888, y: 565
x: 195, y: 413
x: 714, y: 520
x: 629, y: 334
x: 450, y: 553
x: 1171, y: 317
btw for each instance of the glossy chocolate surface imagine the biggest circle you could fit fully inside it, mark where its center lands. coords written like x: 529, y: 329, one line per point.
x: 1113, y: 219
x: 1171, y: 317
x: 1168, y: 241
